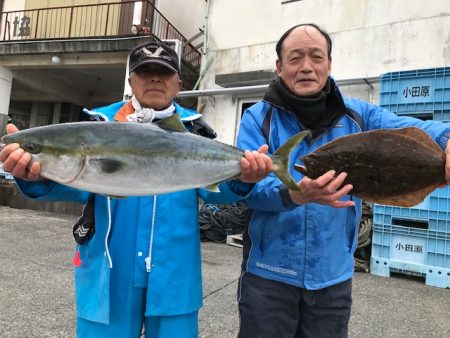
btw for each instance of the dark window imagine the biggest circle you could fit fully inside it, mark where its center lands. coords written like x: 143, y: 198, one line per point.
x: 245, y: 106
x: 425, y: 116
x: 20, y: 112
x: 410, y: 223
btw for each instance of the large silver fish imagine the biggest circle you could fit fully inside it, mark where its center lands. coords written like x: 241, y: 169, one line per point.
x: 135, y: 159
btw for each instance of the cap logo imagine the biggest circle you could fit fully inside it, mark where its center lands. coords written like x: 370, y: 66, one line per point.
x: 156, y: 53
x: 145, y: 53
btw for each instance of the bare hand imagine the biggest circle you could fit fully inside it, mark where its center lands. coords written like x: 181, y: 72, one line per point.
x: 256, y: 165
x: 325, y: 190
x: 447, y: 162
x: 17, y: 161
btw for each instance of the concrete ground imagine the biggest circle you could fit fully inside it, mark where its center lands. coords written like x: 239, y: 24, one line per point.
x: 37, y: 298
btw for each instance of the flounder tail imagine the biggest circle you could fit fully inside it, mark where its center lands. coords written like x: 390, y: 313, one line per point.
x: 281, y: 159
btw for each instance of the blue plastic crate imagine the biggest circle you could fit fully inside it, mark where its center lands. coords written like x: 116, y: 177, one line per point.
x: 432, y: 214
x: 421, y: 93
x: 412, y: 251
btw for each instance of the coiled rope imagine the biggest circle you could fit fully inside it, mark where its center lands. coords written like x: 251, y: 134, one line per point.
x: 217, y: 221
x: 364, y: 248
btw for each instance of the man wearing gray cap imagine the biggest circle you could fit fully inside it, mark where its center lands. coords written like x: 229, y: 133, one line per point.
x: 138, y: 265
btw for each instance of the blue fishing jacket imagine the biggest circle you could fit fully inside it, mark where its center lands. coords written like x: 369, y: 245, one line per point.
x: 309, y: 246
x: 156, y: 233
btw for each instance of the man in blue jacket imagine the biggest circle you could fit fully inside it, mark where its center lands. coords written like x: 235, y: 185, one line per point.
x: 142, y: 266
x: 299, y: 246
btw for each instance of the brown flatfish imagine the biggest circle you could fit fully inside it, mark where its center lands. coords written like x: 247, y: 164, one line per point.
x: 397, y: 167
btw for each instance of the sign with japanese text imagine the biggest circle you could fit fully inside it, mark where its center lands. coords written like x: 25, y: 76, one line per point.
x: 416, y: 91
x: 21, y: 26
x: 409, y: 249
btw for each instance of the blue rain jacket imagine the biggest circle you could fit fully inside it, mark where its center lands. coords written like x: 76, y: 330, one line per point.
x: 310, y: 246
x: 163, y: 229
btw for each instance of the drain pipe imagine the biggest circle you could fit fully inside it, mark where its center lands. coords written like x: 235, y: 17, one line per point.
x: 205, y: 47
x: 205, y: 41
x: 370, y: 90
x: 202, y: 73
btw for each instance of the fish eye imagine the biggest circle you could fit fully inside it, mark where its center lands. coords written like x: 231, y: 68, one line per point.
x: 32, y: 148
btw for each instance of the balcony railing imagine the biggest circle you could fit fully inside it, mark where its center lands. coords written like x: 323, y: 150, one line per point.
x: 115, y: 19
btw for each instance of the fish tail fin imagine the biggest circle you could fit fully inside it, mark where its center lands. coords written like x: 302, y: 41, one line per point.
x: 281, y: 159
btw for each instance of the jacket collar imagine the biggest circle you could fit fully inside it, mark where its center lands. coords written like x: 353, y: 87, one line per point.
x: 335, y: 108
x: 185, y: 114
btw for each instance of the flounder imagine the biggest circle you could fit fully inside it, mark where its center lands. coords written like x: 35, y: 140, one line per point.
x: 397, y: 167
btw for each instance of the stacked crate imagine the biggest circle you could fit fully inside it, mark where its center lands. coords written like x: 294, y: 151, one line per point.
x: 415, y: 240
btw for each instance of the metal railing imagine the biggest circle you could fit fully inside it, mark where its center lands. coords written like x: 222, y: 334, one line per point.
x: 113, y: 19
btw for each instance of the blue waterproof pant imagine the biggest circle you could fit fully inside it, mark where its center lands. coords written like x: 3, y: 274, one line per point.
x: 128, y: 303
x: 128, y: 324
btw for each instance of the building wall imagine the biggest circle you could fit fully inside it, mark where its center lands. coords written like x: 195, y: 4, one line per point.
x: 5, y: 92
x: 370, y: 37
x: 92, y: 20
x: 186, y: 16
x: 9, y: 5
x: 36, y: 77
x: 76, y: 21
x: 383, y: 34
x: 32, y: 4
x: 60, y: 22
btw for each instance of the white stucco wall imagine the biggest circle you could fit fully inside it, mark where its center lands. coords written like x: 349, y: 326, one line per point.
x: 5, y: 89
x: 370, y: 37
x: 5, y: 94
x: 186, y: 16
x: 13, y: 5
x: 237, y: 23
x: 407, y: 45
x: 10, y: 6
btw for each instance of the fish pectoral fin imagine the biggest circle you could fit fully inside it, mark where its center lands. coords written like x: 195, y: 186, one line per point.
x: 213, y: 188
x: 108, y: 165
x: 172, y: 123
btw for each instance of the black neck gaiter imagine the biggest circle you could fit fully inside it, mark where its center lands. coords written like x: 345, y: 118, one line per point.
x: 310, y: 110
